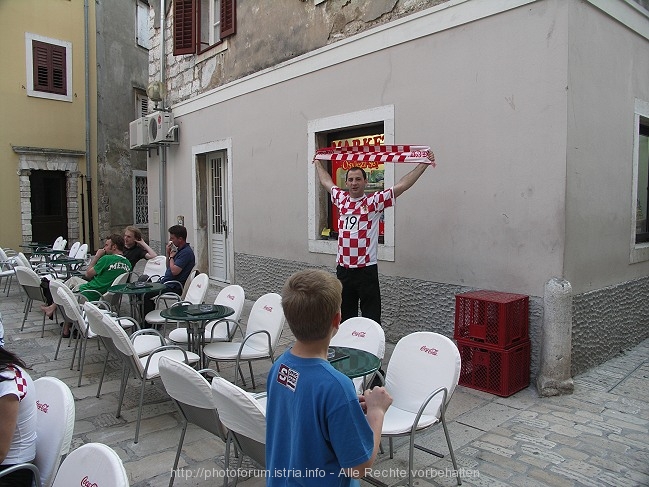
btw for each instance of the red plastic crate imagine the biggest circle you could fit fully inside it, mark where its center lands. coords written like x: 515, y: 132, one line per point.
x: 490, y: 369
x: 492, y: 318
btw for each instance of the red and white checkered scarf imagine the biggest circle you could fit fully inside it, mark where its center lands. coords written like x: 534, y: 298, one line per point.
x: 376, y: 153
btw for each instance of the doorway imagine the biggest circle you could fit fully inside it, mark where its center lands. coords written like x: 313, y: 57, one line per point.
x: 217, y: 234
x: 49, y: 206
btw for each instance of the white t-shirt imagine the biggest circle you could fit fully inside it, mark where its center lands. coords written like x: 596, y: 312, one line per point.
x: 23, y: 445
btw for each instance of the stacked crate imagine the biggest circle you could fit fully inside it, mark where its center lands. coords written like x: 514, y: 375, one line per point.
x: 491, y: 331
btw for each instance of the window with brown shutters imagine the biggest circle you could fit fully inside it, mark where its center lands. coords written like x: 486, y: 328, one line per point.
x: 187, y: 22
x: 50, y: 71
x: 184, y: 27
x: 228, y: 18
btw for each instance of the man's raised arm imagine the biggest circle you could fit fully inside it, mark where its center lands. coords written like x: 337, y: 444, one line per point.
x: 409, y: 179
x: 323, y: 175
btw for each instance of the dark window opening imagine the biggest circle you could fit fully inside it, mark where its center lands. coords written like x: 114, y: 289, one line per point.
x: 198, y: 26
x: 642, y: 223
x: 372, y: 134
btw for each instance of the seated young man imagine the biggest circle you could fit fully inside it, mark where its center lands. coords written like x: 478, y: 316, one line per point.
x: 106, y: 266
x: 180, y: 263
x: 135, y: 248
x: 318, y: 429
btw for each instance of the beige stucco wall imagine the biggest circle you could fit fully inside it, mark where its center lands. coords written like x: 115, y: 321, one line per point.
x: 36, y: 122
x: 489, y: 216
x: 603, y: 85
x: 529, y: 108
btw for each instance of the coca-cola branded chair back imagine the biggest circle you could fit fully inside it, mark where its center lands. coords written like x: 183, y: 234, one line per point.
x: 423, y: 371
x: 90, y: 465
x: 363, y: 334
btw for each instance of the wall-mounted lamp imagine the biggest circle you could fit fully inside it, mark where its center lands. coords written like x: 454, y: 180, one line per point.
x: 156, y: 91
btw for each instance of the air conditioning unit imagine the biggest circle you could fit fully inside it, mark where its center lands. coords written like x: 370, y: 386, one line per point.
x: 138, y: 132
x: 159, y: 125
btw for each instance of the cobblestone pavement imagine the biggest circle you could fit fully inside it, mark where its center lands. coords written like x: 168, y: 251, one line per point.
x: 598, y: 436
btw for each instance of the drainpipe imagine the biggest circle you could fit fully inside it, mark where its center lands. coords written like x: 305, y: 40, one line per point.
x: 163, y: 147
x: 91, y: 231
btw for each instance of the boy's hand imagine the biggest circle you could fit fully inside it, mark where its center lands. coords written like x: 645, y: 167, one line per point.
x: 375, y: 399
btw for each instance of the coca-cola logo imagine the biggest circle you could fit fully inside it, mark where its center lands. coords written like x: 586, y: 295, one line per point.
x: 86, y: 483
x: 268, y: 308
x: 360, y: 334
x: 42, y: 407
x: 432, y: 351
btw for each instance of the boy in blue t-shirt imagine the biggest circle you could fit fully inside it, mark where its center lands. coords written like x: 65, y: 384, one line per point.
x: 318, y: 431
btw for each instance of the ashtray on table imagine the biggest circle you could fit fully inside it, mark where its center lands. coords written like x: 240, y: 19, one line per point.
x: 138, y: 285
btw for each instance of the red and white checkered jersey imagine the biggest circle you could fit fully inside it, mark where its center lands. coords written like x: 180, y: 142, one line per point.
x: 15, y: 381
x: 358, y: 226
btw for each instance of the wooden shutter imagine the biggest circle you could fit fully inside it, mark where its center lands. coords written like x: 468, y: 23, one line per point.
x: 50, y: 69
x: 41, y: 66
x: 59, y: 75
x: 184, y: 27
x: 228, y: 18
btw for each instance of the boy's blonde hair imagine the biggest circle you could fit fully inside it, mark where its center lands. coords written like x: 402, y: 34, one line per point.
x: 310, y: 300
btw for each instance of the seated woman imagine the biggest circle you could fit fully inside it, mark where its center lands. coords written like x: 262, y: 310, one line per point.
x: 18, y: 424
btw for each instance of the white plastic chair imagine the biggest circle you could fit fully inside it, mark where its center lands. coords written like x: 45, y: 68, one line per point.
x: 31, y: 284
x: 6, y: 270
x: 245, y: 419
x: 195, y: 294
x: 54, y: 425
x: 144, y: 368
x: 82, y: 252
x: 222, y: 330
x: 72, y: 252
x: 21, y: 259
x: 55, y: 285
x: 155, y: 268
x: 263, y: 331
x: 55, y: 416
x: 74, y: 312
x: 193, y: 396
x: 92, y: 464
x: 59, y: 244
x: 422, y: 374
x: 363, y: 334
x: 144, y: 343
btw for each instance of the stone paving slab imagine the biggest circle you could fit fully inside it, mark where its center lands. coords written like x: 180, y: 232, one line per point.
x: 599, y: 435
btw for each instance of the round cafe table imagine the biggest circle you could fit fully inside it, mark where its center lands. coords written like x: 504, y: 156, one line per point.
x: 69, y: 263
x: 354, y: 362
x: 48, y: 254
x: 196, y: 316
x: 137, y: 290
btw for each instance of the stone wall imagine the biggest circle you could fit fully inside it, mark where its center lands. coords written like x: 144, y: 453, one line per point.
x: 408, y: 305
x: 267, y: 37
x: 607, y: 321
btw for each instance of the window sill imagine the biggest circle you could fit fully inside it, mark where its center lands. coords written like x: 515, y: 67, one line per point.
x: 639, y: 253
x: 213, y: 51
